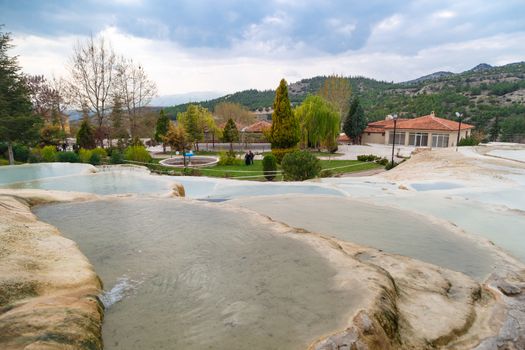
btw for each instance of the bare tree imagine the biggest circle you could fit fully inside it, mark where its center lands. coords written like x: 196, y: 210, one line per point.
x: 92, y: 72
x: 337, y: 91
x: 49, y: 101
x: 135, y: 90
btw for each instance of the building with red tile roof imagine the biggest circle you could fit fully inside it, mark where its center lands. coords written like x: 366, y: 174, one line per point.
x: 425, y: 131
x: 257, y: 127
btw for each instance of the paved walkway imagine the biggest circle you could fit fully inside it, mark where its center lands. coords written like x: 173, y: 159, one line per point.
x: 350, y: 152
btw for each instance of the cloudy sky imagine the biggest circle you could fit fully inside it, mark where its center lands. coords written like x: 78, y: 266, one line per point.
x: 231, y: 45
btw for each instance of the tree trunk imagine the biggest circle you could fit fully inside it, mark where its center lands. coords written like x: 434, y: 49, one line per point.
x: 163, y: 147
x: 10, y: 152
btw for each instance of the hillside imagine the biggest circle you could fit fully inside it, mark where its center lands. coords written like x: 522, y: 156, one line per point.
x: 486, y: 95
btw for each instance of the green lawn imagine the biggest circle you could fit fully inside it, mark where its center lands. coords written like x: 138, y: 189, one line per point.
x: 255, y: 171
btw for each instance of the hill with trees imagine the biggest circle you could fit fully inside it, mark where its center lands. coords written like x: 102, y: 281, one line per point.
x: 491, y: 98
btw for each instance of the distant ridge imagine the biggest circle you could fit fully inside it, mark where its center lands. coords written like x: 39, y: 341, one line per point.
x: 433, y: 76
x: 483, y: 93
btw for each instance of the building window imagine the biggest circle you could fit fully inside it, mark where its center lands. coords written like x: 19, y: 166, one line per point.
x: 400, y: 138
x: 440, y: 140
x: 418, y: 139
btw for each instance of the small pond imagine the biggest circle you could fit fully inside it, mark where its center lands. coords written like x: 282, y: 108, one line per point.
x: 27, y: 172
x: 197, y: 276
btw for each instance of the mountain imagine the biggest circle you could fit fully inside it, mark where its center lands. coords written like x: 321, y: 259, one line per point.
x: 433, y: 76
x: 170, y: 100
x: 480, y: 67
x: 486, y: 95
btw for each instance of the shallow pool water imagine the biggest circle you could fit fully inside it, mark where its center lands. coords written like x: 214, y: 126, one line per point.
x: 518, y: 155
x: 506, y: 228
x: 433, y: 186
x: 109, y: 182
x: 389, y: 229
x: 28, y: 172
x: 196, y: 276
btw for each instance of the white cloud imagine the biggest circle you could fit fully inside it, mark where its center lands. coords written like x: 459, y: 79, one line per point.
x: 446, y: 14
x: 179, y: 70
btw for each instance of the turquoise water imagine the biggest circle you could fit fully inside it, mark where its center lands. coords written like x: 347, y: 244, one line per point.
x: 104, y: 183
x: 196, y: 276
x: 388, y: 229
x: 433, y: 186
x: 27, y: 172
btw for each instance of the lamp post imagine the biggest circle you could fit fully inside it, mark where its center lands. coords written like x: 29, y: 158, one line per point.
x: 394, y: 117
x: 459, y: 115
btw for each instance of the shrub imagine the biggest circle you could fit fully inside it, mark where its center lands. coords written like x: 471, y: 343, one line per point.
x: 269, y: 164
x: 68, y: 157
x: 191, y: 172
x: 4, y: 162
x: 391, y: 165
x: 85, y: 155
x: 35, y: 156
x: 116, y: 157
x: 300, y: 165
x: 101, y: 152
x: 279, y: 153
x: 382, y: 161
x: 468, y: 141
x: 367, y: 158
x: 137, y: 154
x: 21, y: 153
x: 327, y: 173
x: 49, y: 154
x: 94, y: 159
x: 229, y: 158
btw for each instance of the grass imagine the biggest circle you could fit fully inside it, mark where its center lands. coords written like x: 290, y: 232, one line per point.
x: 255, y: 171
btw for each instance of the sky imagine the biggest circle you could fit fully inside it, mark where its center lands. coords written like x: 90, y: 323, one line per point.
x: 224, y: 46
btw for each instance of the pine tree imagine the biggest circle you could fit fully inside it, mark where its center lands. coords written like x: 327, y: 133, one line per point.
x: 117, y: 117
x: 284, y: 134
x: 495, y: 130
x: 161, y: 129
x: 230, y: 133
x: 17, y: 122
x: 355, y: 122
x: 86, y: 136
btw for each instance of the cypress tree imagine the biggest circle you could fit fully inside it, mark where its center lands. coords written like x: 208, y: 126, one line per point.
x: 284, y: 134
x: 161, y: 129
x: 85, y: 136
x: 230, y: 133
x: 355, y: 122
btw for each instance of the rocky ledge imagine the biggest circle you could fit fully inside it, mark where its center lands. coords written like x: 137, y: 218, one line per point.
x: 48, y: 289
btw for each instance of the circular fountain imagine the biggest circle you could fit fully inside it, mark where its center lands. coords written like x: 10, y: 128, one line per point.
x: 192, y: 162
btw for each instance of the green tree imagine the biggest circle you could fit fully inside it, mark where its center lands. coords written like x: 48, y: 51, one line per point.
x: 196, y: 120
x: 85, y: 135
x: 230, y: 133
x: 176, y: 138
x: 495, y: 130
x: 513, y: 129
x: 117, y: 121
x: 284, y: 134
x: 319, y: 122
x: 161, y: 128
x: 51, y: 134
x: 17, y: 122
x: 355, y: 122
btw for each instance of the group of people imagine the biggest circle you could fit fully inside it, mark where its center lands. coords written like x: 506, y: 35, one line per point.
x: 248, y: 158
